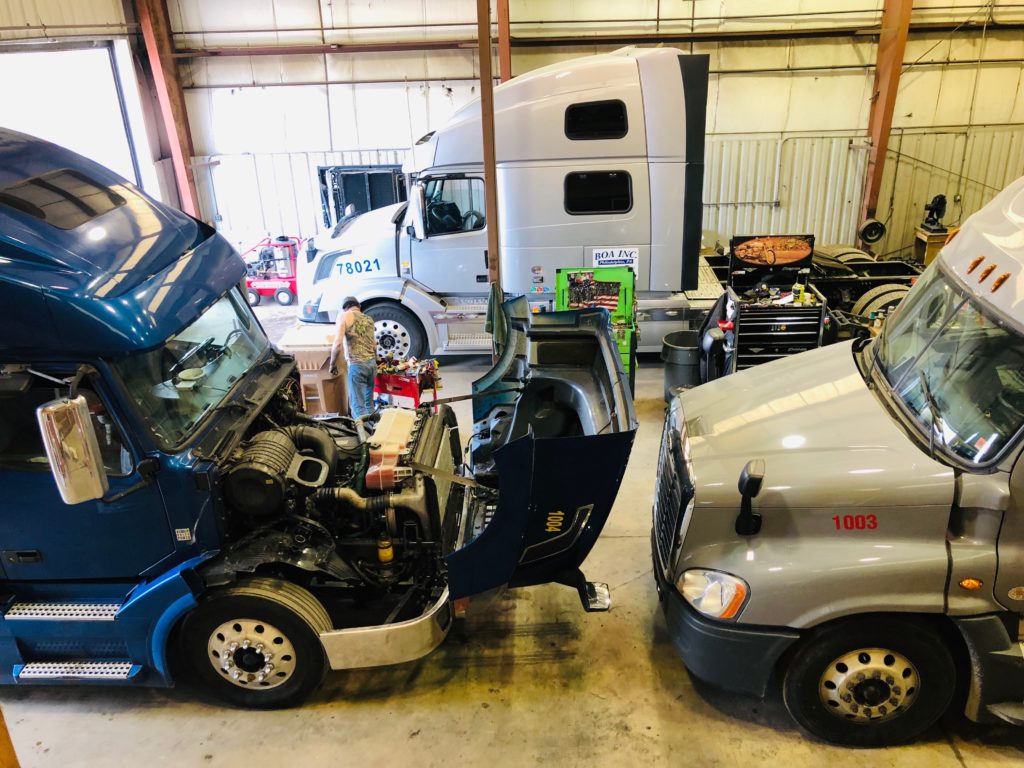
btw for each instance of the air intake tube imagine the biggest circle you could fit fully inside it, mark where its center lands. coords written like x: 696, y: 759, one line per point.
x: 316, y: 440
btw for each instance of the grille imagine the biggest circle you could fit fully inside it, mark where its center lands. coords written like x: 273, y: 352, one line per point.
x: 673, y: 494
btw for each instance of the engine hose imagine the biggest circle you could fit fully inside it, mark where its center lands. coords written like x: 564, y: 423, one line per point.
x: 316, y: 440
x: 353, y: 499
x: 413, y: 500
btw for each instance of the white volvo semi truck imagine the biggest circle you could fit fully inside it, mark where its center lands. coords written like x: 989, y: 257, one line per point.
x: 599, y: 162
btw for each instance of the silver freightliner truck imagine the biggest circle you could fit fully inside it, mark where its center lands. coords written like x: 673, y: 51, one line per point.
x: 849, y: 522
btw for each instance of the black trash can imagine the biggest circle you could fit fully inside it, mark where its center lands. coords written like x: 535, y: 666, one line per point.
x: 680, y: 351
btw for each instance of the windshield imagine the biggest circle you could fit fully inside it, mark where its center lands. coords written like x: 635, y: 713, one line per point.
x: 175, y: 385
x: 957, y: 371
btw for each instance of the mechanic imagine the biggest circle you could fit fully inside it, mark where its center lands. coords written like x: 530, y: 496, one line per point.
x: 360, y: 352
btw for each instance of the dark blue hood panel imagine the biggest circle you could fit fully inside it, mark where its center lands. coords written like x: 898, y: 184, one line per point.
x: 121, y: 282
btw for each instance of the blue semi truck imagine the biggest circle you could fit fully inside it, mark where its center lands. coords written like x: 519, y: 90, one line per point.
x: 165, y: 492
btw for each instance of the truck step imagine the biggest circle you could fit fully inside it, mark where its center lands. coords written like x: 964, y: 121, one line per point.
x: 1010, y: 711
x: 481, y: 341
x: 62, y: 612
x: 77, y: 670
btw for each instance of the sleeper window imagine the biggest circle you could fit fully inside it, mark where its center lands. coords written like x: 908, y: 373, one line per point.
x: 594, y: 192
x: 596, y: 120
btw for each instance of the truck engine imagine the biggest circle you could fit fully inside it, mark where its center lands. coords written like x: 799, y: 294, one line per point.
x: 352, y: 514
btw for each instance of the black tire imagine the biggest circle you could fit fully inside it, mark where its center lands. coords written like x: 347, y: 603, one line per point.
x: 846, y: 254
x: 885, y: 296
x: 284, y: 297
x: 253, y: 297
x: 284, y: 616
x: 873, y: 710
x: 397, y: 331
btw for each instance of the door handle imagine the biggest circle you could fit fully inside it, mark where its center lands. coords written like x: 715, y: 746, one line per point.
x: 22, y: 556
x: 486, y: 263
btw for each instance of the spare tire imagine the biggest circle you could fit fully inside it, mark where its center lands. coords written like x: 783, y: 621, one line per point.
x: 885, y: 296
x: 843, y: 253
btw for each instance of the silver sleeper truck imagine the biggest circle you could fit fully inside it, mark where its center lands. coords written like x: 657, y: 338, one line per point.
x: 849, y: 521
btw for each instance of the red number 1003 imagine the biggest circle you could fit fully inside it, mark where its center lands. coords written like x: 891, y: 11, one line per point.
x: 855, y: 522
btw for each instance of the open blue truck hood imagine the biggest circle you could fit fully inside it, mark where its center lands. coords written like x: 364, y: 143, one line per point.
x: 554, y: 426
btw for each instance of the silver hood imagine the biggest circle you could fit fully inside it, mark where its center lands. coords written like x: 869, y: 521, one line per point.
x: 825, y: 438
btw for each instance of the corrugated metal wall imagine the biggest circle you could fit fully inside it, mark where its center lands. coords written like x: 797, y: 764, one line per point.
x: 783, y: 184
x: 973, y: 164
x: 752, y: 185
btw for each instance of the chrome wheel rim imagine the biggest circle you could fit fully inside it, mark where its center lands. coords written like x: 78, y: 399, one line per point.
x: 251, y: 653
x: 392, y: 338
x: 869, y: 685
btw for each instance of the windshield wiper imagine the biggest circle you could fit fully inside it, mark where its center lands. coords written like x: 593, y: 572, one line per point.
x: 933, y: 407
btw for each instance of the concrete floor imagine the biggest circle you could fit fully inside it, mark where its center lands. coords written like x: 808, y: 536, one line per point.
x: 534, y: 680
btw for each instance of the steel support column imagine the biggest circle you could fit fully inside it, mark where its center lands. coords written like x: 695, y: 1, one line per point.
x: 892, y: 42
x: 483, y: 23
x: 155, y: 26
x: 504, y: 42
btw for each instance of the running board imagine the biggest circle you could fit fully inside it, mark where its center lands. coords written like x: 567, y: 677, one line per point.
x: 76, y: 670
x: 62, y: 612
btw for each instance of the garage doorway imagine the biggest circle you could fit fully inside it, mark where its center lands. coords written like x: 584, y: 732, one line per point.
x: 83, y: 97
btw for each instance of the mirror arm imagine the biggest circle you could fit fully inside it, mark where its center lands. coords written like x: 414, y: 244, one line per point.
x: 147, y: 468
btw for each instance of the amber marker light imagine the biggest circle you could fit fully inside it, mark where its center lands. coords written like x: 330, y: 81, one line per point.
x: 736, y: 603
x: 1000, y: 280
x: 986, y: 272
x: 971, y: 584
x: 974, y: 264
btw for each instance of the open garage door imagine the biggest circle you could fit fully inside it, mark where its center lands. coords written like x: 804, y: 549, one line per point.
x: 74, y: 96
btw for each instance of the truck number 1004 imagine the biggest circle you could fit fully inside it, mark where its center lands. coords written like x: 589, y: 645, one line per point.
x: 855, y: 522
x: 359, y: 266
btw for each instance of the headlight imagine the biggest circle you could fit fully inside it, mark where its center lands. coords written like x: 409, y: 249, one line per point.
x: 713, y: 593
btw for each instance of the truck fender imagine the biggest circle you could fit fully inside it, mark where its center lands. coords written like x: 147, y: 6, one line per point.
x: 410, y: 295
x: 155, y: 609
x: 996, y: 673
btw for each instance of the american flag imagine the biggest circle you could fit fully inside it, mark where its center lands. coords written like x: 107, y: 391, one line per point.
x: 594, y: 293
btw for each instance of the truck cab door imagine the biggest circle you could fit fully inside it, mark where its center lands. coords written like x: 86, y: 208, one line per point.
x: 452, y: 257
x: 42, y: 539
x: 1009, y: 586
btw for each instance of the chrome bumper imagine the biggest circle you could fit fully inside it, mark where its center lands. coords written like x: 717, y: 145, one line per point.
x: 386, y: 644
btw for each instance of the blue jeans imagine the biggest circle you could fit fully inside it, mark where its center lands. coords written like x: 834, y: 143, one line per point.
x: 360, y: 388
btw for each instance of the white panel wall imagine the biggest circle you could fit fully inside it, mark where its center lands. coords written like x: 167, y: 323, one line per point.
x: 22, y: 19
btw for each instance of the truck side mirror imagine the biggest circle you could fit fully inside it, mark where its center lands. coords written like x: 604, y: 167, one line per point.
x: 748, y: 522
x: 72, y: 449
x: 751, y: 478
x: 310, y: 251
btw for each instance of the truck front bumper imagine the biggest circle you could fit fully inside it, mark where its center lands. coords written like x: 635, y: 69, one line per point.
x: 734, y: 657
x: 397, y: 643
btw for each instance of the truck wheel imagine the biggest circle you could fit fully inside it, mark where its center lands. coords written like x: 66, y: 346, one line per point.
x: 284, y: 297
x: 870, y: 683
x: 257, y: 645
x: 398, y: 332
x: 884, y: 296
x: 253, y: 296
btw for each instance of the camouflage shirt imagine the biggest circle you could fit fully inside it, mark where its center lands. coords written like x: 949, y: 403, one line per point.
x: 360, y: 344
